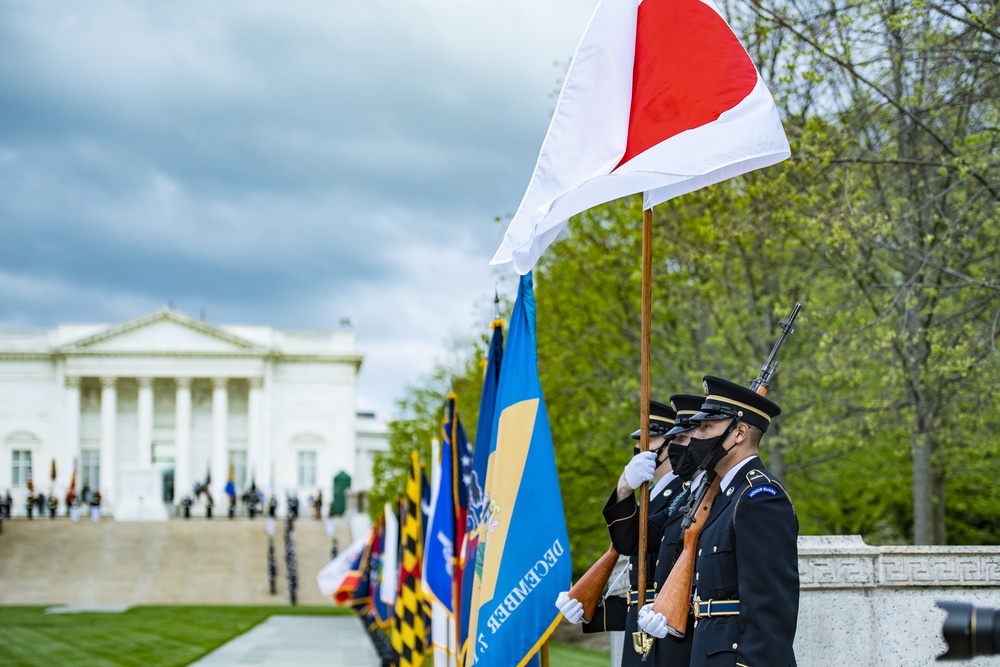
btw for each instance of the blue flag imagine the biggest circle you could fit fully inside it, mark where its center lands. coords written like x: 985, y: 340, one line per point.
x: 477, y: 478
x: 523, y: 560
x: 440, y: 544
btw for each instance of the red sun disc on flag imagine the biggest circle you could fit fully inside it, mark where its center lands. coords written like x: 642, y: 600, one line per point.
x: 689, y: 69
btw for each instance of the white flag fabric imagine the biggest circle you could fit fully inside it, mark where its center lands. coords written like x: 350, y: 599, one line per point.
x: 660, y: 98
x: 390, y: 557
x: 332, y: 575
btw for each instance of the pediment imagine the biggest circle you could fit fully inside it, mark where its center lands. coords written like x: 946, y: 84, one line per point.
x: 163, y: 332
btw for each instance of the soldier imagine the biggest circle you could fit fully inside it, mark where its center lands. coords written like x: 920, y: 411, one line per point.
x: 53, y: 504
x: 621, y: 513
x: 663, y: 535
x: 746, y: 596
x: 670, y: 651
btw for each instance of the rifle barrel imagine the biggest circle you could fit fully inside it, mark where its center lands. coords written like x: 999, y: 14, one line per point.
x: 763, y: 379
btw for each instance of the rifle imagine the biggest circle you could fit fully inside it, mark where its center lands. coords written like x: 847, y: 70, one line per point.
x: 674, y: 599
x: 591, y: 585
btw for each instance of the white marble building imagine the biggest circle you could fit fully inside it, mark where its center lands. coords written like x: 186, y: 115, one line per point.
x: 166, y: 398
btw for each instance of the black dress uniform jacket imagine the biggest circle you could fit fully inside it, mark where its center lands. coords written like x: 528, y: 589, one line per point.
x: 662, y: 537
x: 747, y: 552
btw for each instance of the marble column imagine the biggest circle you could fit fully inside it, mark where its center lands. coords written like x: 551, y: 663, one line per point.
x: 255, y: 464
x: 109, y: 417
x: 145, y: 422
x: 72, y: 445
x: 267, y: 464
x: 183, y: 482
x: 220, y: 444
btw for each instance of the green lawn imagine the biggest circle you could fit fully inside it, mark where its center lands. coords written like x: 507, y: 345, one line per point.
x: 161, y: 636
x: 154, y: 636
x: 566, y: 655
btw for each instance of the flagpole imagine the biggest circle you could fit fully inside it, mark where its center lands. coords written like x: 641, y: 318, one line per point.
x: 455, y: 596
x: 647, y: 300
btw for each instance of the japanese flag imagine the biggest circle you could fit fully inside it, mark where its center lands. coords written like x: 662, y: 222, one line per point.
x: 661, y: 98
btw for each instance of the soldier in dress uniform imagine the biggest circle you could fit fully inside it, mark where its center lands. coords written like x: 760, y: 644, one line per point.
x: 746, y: 596
x: 621, y: 513
x: 663, y: 535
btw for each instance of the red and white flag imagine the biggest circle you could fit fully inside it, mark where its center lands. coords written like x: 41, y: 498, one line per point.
x: 661, y: 98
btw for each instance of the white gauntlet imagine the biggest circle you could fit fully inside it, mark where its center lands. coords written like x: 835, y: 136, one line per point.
x: 570, y: 608
x: 652, y: 622
x: 640, y: 469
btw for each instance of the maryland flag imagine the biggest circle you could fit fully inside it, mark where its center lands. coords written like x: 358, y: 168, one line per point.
x: 411, y: 632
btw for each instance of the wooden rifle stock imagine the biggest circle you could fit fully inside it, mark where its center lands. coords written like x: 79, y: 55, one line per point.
x: 674, y: 599
x: 591, y: 585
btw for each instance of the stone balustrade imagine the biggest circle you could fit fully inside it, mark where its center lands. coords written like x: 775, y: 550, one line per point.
x: 864, y: 605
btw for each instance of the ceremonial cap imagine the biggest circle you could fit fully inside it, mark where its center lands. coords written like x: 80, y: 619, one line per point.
x: 661, y: 419
x: 685, y: 406
x: 725, y: 399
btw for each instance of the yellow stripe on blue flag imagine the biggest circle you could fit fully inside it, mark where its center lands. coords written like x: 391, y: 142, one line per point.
x: 523, y: 561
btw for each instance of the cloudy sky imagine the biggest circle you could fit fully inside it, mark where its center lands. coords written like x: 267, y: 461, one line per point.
x: 283, y: 163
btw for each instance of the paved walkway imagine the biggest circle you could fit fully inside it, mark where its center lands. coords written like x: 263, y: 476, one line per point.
x: 298, y: 641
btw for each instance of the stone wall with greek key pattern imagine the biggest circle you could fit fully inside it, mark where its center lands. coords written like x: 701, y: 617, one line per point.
x: 862, y: 605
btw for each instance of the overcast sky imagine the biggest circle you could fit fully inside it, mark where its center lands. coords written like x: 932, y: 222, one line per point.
x: 282, y: 163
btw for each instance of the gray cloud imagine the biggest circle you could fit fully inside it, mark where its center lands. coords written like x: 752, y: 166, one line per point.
x: 271, y: 163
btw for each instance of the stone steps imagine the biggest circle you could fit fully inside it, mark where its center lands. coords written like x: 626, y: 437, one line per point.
x: 196, y: 561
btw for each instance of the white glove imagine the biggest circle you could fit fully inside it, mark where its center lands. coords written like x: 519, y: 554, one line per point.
x: 640, y: 469
x: 570, y: 608
x: 652, y: 622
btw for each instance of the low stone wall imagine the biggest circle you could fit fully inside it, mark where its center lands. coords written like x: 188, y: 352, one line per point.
x: 863, y: 605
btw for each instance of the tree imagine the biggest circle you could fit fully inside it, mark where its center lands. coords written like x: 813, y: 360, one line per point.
x: 913, y: 86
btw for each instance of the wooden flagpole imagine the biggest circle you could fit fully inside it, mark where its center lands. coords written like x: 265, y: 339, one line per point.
x: 456, y: 594
x: 647, y: 304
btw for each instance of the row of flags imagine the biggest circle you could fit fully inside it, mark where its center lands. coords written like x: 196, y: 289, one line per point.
x: 476, y: 579
x: 30, y: 482
x: 465, y: 569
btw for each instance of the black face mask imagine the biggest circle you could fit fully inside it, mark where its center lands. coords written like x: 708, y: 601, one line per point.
x: 703, y: 448
x: 681, y: 461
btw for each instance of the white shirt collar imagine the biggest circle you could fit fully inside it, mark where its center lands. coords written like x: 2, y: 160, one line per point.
x: 728, y: 478
x: 662, y: 484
